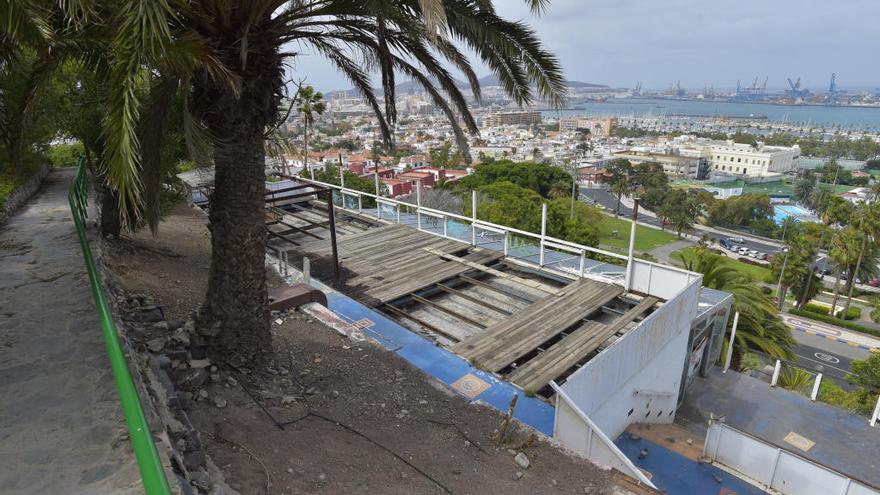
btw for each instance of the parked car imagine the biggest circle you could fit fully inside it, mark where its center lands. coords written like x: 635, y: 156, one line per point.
x: 874, y: 282
x: 762, y: 256
x: 744, y: 251
x: 724, y: 242
x: 753, y: 253
x: 739, y: 240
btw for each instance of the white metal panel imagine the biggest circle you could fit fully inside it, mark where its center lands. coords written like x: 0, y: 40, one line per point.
x: 795, y: 475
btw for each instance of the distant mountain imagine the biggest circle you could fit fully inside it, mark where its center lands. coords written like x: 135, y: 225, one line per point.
x: 410, y: 86
x: 493, y: 80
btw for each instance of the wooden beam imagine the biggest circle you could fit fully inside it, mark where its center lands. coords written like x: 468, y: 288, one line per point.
x: 499, y: 290
x: 404, y: 314
x: 456, y: 292
x: 492, y: 271
x: 455, y: 314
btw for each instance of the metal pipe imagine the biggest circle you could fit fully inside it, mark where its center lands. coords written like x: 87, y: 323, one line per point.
x: 730, y: 344
x: 543, y: 233
x: 632, y: 244
x: 474, y: 217
x: 147, y: 457
x: 776, y: 370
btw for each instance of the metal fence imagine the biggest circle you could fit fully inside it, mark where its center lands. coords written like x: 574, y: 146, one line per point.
x: 528, y: 247
x: 149, y: 464
x: 776, y: 468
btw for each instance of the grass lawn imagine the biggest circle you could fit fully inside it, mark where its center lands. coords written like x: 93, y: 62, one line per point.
x: 758, y: 273
x: 646, y: 237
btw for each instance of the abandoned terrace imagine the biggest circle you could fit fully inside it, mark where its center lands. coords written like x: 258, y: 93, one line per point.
x: 588, y: 341
x: 523, y: 323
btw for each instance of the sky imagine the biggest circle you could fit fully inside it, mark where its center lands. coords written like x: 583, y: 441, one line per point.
x: 699, y: 42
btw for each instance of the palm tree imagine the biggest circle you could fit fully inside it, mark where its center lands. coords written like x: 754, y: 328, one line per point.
x: 310, y: 103
x: 760, y: 326
x: 229, y: 58
x: 844, y: 253
x: 868, y: 218
x: 619, y: 187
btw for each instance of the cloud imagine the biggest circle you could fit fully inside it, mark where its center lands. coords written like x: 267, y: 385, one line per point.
x: 621, y: 42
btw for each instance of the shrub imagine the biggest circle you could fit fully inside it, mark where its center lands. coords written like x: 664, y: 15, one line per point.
x: 835, y: 321
x: 795, y: 379
x: 815, y: 308
x: 859, y: 401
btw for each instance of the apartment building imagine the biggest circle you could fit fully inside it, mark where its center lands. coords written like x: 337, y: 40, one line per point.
x: 676, y: 166
x: 512, y: 118
x: 598, y: 127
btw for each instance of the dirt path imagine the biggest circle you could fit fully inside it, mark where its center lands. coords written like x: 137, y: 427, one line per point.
x: 61, y: 424
x: 330, y: 415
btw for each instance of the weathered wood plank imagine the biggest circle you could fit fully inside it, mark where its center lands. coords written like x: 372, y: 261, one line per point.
x: 566, y: 353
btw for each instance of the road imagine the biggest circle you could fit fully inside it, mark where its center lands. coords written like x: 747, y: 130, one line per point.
x: 827, y: 348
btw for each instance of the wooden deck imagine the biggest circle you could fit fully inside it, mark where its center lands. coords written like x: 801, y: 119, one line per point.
x: 537, y: 373
x: 389, y: 262
x: 500, y: 345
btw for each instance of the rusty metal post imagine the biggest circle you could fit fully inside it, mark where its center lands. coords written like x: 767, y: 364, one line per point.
x: 332, y: 220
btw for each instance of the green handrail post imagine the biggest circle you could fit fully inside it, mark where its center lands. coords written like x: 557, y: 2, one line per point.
x: 149, y: 463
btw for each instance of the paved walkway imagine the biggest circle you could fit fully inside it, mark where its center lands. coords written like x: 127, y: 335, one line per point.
x: 832, y: 332
x: 61, y: 426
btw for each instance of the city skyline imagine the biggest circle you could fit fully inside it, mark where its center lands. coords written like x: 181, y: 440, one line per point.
x: 621, y: 43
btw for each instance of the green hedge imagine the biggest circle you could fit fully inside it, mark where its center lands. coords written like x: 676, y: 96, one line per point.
x: 853, y: 313
x: 835, y: 321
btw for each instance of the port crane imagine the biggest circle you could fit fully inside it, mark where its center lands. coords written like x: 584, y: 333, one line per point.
x: 796, y: 91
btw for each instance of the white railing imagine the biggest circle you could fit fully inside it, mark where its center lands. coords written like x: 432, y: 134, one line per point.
x: 578, y: 432
x: 775, y: 468
x: 548, y: 251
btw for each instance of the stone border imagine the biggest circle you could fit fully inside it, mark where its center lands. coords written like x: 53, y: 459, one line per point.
x: 23, y: 193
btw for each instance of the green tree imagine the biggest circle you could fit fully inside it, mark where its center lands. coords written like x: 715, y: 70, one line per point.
x: 309, y: 103
x: 228, y: 58
x: 620, y: 170
x: 538, y: 177
x: 866, y: 372
x: 760, y: 327
x: 867, y: 217
x: 796, y: 259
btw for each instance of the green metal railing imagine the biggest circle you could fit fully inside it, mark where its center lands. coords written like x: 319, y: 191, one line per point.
x: 149, y: 464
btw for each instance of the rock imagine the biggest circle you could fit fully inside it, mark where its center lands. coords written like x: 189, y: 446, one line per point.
x: 518, y: 475
x: 511, y: 451
x: 635, y: 437
x: 202, y: 395
x: 156, y: 345
x: 690, y: 441
x: 336, y: 393
x: 521, y: 460
x: 181, y: 337
x: 311, y: 391
x: 190, y: 379
x: 553, y: 482
x: 146, y: 314
x: 215, y: 377
x: 198, y: 352
x: 161, y: 325
x: 220, y: 402
x: 322, y: 477
x: 232, y: 381
x: 189, y: 327
x: 212, y: 331
x: 199, y: 363
x: 287, y: 400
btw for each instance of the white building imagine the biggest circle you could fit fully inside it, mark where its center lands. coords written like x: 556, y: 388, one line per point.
x: 727, y: 157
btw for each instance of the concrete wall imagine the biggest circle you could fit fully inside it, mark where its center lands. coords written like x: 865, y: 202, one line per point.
x: 775, y: 468
x: 574, y: 429
x: 638, y: 378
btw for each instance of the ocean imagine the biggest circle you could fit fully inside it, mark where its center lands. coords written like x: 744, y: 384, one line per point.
x: 857, y: 118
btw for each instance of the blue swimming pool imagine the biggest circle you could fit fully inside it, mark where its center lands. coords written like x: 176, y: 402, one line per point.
x: 781, y: 212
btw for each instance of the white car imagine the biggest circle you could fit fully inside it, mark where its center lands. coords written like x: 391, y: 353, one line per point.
x: 753, y: 253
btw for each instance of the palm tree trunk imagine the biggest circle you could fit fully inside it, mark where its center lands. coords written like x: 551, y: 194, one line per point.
x: 836, y: 289
x: 852, y: 284
x: 235, y: 312
x: 617, y: 210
